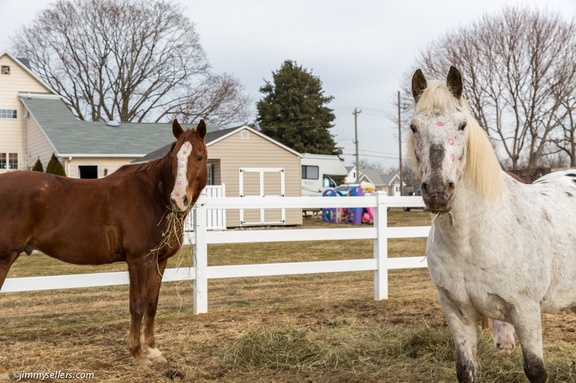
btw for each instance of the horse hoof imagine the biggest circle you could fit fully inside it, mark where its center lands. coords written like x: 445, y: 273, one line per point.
x: 159, y: 360
x: 155, y: 356
x: 143, y: 361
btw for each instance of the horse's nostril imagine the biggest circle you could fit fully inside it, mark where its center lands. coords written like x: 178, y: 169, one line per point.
x: 424, y: 187
x: 185, y: 200
x: 451, y: 185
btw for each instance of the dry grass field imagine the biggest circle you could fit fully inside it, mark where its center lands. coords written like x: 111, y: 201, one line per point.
x: 309, y: 328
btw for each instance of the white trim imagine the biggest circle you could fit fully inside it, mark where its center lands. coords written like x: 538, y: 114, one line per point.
x: 261, y: 172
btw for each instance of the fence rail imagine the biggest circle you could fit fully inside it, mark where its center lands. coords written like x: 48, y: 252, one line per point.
x: 201, y: 237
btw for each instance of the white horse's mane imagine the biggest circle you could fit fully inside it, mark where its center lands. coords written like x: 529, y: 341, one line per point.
x: 483, y: 169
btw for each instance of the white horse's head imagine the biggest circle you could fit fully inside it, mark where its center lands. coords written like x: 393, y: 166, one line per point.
x: 446, y: 142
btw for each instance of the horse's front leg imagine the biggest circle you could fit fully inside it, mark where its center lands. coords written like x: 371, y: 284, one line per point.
x: 527, y: 320
x: 155, y: 280
x: 138, y: 281
x: 464, y: 328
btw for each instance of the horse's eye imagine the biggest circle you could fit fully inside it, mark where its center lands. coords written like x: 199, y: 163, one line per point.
x: 413, y: 128
x: 199, y: 158
x: 462, y: 126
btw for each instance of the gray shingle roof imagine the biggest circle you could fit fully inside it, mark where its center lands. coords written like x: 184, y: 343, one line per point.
x: 71, y: 136
x: 210, y: 136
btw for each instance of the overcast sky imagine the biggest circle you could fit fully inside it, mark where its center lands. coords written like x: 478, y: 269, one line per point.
x: 359, y: 49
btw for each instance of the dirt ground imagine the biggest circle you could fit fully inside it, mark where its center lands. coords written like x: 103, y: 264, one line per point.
x: 84, y: 330
x: 80, y: 334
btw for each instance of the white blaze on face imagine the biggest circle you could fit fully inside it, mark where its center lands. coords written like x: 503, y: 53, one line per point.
x: 181, y: 182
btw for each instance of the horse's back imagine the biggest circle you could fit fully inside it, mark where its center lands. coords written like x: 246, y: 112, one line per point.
x: 566, y: 178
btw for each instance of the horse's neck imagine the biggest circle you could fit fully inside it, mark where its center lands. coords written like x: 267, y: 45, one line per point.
x: 159, y: 178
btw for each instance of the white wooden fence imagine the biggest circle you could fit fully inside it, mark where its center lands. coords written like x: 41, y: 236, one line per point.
x: 201, y: 237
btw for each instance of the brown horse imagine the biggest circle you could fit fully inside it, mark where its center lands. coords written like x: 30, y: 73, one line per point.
x: 127, y: 216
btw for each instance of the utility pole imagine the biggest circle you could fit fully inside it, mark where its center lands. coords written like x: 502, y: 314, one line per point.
x: 400, y: 144
x: 356, y: 113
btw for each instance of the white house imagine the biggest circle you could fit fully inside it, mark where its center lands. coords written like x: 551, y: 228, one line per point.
x: 389, y: 183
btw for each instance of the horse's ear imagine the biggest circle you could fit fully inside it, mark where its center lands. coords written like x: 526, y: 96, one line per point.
x: 418, y: 84
x: 201, y: 129
x: 454, y: 82
x: 176, y: 128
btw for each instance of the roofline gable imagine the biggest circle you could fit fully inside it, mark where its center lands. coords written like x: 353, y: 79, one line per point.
x: 262, y: 135
x: 27, y: 70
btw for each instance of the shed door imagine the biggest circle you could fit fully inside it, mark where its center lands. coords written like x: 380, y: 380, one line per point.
x: 262, y: 182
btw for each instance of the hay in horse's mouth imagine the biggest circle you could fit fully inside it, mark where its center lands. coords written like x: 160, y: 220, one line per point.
x: 174, y: 229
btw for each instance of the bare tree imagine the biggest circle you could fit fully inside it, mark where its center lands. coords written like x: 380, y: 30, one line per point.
x: 519, y: 73
x: 127, y: 60
x: 220, y: 100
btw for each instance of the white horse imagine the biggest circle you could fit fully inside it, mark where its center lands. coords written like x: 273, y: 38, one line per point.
x: 498, y: 247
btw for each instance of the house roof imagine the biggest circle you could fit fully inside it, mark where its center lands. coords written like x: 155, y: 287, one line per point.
x: 72, y: 137
x: 375, y: 176
x: 213, y: 137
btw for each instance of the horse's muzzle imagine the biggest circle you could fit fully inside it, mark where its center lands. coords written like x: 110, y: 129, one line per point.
x: 180, y: 205
x: 438, y: 197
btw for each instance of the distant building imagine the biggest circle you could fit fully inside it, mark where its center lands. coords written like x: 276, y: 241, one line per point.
x: 389, y: 183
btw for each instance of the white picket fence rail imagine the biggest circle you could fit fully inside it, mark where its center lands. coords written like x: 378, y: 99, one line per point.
x: 201, y: 237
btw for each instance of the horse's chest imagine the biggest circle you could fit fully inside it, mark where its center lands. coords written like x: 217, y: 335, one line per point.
x: 466, y: 271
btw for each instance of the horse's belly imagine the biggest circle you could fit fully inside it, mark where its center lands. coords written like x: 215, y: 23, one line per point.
x: 88, y: 248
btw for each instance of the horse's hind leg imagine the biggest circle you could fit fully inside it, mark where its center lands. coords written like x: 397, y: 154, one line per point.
x: 154, y: 283
x: 6, y: 261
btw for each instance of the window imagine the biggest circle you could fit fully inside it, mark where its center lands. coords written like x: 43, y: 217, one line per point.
x: 5, y: 69
x: 8, y: 161
x: 8, y: 113
x: 244, y: 135
x: 210, y: 174
x: 310, y: 172
x: 328, y: 182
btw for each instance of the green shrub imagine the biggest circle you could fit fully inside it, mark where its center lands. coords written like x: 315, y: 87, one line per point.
x: 55, y: 166
x: 38, y: 166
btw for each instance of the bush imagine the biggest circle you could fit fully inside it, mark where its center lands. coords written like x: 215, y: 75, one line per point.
x: 55, y: 167
x: 38, y: 166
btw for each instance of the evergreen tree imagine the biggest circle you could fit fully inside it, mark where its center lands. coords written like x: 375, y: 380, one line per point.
x: 55, y: 166
x: 294, y: 112
x: 38, y: 166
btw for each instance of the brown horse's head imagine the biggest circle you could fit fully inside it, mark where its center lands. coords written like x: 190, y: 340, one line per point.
x: 189, y: 156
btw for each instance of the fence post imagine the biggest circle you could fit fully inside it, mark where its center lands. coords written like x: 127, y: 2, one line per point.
x: 201, y: 257
x: 381, y: 248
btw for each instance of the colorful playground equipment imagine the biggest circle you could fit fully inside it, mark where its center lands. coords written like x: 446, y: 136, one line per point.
x: 354, y: 216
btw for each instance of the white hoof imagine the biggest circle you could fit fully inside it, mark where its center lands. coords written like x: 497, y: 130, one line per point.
x: 155, y: 356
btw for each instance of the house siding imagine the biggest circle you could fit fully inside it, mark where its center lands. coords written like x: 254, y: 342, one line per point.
x: 39, y: 147
x: 12, y: 137
x: 106, y: 166
x: 235, y: 153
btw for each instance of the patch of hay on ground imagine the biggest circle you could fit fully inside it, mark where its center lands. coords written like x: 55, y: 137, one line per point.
x: 391, y: 353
